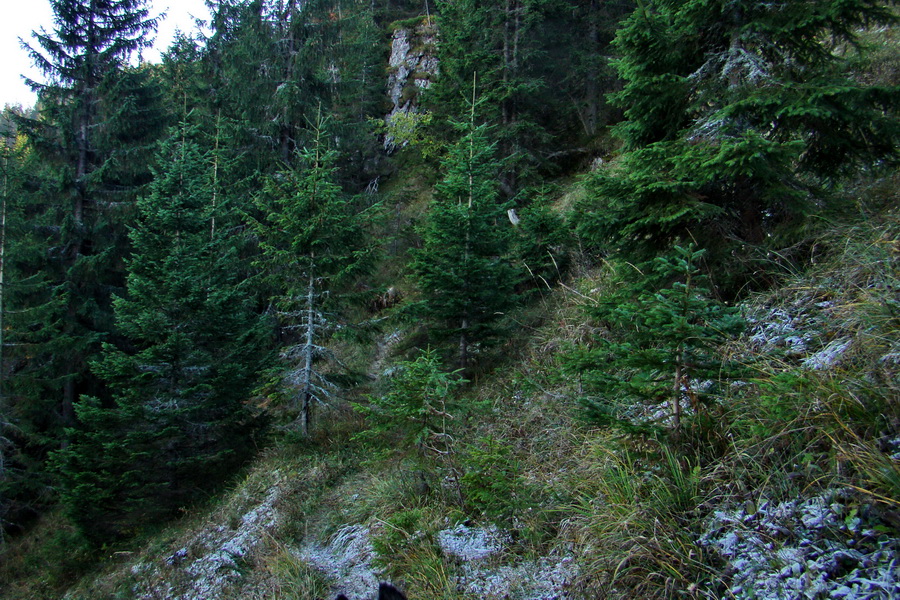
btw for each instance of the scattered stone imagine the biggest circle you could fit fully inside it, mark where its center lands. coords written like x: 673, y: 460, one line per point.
x: 542, y: 579
x: 220, y: 566
x: 479, y: 549
x: 828, y: 356
x: 177, y: 558
x: 804, y: 549
x: 472, y: 543
x: 211, y: 560
x: 774, y: 329
x: 347, y: 559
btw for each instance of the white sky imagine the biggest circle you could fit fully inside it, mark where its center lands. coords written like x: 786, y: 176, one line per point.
x: 21, y: 17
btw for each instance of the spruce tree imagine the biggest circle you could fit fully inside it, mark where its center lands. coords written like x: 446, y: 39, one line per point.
x: 545, y: 116
x: 82, y: 58
x: 579, y: 35
x: 313, y: 242
x: 417, y: 402
x: 21, y: 481
x: 542, y: 242
x: 273, y: 63
x: 463, y: 268
x: 34, y: 341
x: 98, y: 120
x: 737, y: 114
x: 182, y: 379
x: 239, y: 64
x: 7, y: 446
x: 661, y: 347
x: 502, y: 44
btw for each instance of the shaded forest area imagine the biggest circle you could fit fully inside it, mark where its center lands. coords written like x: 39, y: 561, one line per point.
x: 193, y: 254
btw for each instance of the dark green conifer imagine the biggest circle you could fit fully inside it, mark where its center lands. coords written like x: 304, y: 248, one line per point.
x: 575, y: 65
x: 463, y: 268
x: 313, y: 242
x: 417, y: 402
x: 501, y: 43
x: 30, y: 337
x: 662, y: 345
x: 182, y: 378
x: 35, y: 340
x: 273, y: 64
x: 736, y: 114
x: 89, y: 99
x: 542, y: 242
x: 98, y: 121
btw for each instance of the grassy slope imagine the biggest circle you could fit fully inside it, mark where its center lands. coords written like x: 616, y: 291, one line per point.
x: 628, y: 509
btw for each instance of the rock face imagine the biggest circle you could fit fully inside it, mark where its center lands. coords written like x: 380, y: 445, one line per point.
x: 412, y: 67
x: 347, y: 559
x: 483, y: 567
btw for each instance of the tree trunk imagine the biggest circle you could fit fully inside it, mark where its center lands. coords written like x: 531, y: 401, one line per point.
x: 288, y: 19
x: 215, y: 175
x: 305, y: 409
x: 592, y: 80
x: 68, y: 405
x: 306, y: 415
x: 676, y: 398
x: 464, y: 345
x: 507, y: 59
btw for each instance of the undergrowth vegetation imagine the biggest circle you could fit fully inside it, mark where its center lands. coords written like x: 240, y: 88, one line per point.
x: 815, y: 411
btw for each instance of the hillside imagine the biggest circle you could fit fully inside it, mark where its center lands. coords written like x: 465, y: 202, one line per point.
x: 535, y: 312
x: 786, y: 489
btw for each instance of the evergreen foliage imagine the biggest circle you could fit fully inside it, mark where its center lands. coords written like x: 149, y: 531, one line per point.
x: 132, y: 302
x: 579, y: 35
x: 17, y: 489
x: 34, y: 339
x: 543, y: 115
x: 417, y: 403
x: 543, y: 243
x: 736, y: 114
x: 97, y: 122
x: 463, y: 268
x: 182, y: 380
x: 663, y: 347
x: 273, y: 63
x: 499, y: 44
x: 93, y: 106
x: 313, y: 242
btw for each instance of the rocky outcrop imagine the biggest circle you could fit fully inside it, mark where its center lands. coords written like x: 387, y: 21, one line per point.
x: 487, y: 569
x: 213, y: 557
x: 347, y: 559
x: 484, y: 568
x: 412, y: 67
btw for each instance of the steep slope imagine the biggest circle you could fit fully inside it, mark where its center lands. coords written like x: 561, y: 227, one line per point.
x: 791, y: 491
x: 784, y: 483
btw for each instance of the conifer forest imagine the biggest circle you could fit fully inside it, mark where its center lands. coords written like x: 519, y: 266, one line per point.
x: 508, y: 299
